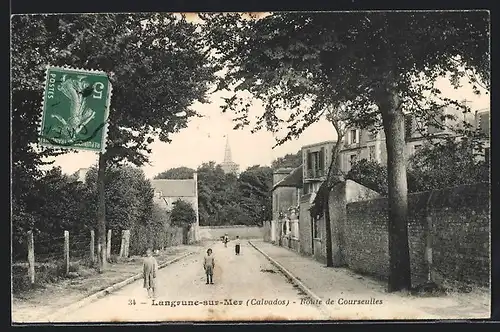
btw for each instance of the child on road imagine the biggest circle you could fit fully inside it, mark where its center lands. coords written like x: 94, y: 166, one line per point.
x: 208, y: 265
x: 237, y: 245
x: 150, y: 269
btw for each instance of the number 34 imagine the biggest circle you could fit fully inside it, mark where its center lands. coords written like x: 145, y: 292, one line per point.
x: 131, y: 302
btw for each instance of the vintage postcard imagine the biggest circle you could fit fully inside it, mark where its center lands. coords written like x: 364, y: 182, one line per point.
x: 281, y: 166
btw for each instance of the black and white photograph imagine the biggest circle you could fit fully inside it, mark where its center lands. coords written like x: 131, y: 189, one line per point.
x: 250, y: 166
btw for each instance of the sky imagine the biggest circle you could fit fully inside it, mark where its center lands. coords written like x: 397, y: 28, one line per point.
x: 204, y: 139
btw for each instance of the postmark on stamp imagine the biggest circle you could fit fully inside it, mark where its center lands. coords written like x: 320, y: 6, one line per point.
x: 75, y: 109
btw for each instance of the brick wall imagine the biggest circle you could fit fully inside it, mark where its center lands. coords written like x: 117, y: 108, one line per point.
x: 459, y: 227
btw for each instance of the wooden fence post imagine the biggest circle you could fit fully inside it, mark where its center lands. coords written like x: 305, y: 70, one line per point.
x: 127, y: 243
x: 31, y: 257
x: 66, y: 251
x: 92, y: 246
x: 122, y: 244
x: 108, y: 246
x: 99, y: 249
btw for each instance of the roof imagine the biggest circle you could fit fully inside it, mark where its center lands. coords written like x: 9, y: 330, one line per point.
x: 294, y: 179
x: 318, y: 144
x: 175, y: 188
x: 283, y: 170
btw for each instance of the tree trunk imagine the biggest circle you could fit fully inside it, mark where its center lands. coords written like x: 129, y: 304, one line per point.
x: 101, y: 214
x: 332, y: 170
x: 399, y: 256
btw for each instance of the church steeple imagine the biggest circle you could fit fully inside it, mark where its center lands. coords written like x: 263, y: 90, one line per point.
x: 228, y: 165
x: 227, y: 153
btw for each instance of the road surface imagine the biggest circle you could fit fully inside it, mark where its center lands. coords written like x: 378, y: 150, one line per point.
x: 246, y: 287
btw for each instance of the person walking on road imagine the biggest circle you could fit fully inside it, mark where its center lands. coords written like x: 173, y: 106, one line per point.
x: 226, y: 240
x: 150, y: 269
x: 209, y: 265
x: 237, y: 245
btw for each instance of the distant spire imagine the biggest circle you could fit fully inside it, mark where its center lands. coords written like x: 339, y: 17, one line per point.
x: 228, y: 166
x: 227, y: 153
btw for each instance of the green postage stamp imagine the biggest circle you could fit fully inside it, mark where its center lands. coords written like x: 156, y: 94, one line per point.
x: 75, y: 109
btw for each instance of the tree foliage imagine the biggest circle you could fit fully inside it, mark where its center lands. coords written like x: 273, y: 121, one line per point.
x: 178, y: 173
x: 55, y: 204
x: 182, y: 214
x: 370, y: 174
x: 290, y: 160
x: 254, y: 185
x: 445, y: 163
x: 128, y: 194
x: 378, y: 64
x: 225, y: 199
x: 157, y: 65
x: 448, y: 163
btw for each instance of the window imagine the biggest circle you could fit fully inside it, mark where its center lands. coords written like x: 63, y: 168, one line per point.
x: 408, y: 126
x: 353, y: 159
x: 484, y: 124
x: 353, y: 136
x: 417, y: 147
x: 371, y: 150
x: 321, y: 164
x: 437, y: 123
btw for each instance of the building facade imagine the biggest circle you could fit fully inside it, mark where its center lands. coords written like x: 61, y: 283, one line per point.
x: 316, y: 159
x: 286, y: 192
x: 364, y: 144
x: 168, y: 191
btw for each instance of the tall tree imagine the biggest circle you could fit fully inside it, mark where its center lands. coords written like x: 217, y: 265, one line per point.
x: 29, y: 53
x: 183, y: 215
x: 446, y: 164
x: 380, y: 62
x: 178, y: 173
x: 290, y: 160
x: 156, y: 63
x: 214, y: 192
x: 254, y: 185
x: 370, y: 174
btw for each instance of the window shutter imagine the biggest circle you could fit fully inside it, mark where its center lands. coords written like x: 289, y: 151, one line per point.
x: 309, y: 160
x: 322, y: 158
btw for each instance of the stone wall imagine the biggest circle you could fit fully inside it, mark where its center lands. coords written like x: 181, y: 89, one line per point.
x: 244, y: 232
x: 456, y: 219
x: 266, y: 230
